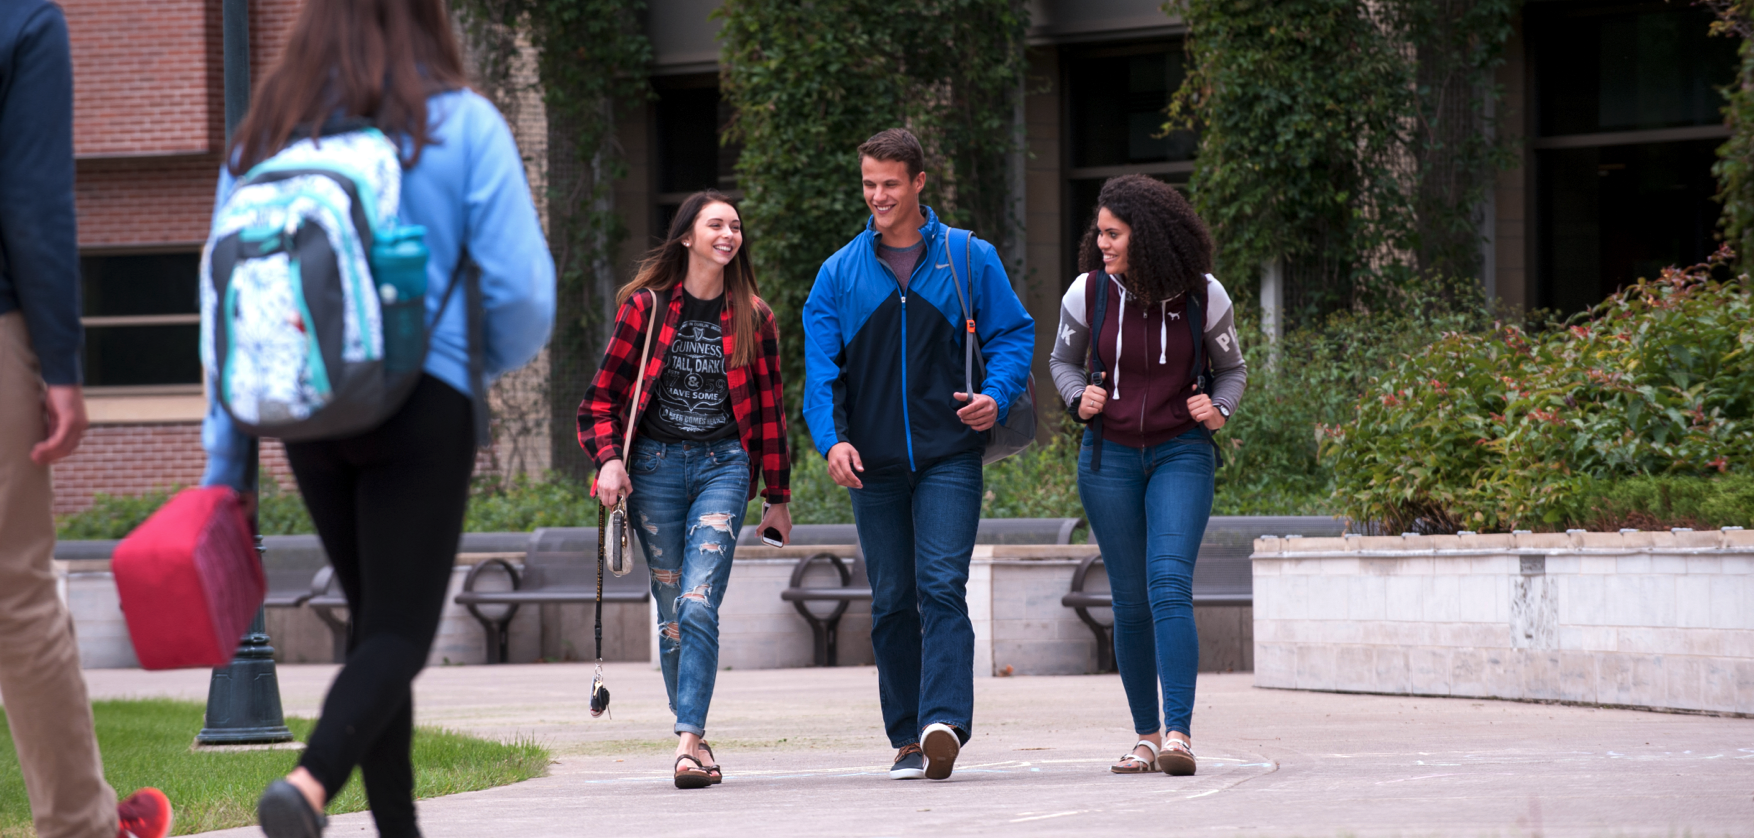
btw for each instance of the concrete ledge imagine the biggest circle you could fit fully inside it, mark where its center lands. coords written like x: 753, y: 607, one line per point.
x: 1014, y: 596
x: 1646, y: 619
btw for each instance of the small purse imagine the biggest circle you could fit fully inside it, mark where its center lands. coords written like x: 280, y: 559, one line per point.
x: 616, y: 536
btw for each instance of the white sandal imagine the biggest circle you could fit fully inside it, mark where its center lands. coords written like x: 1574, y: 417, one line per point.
x: 1138, y: 764
x: 1176, y: 758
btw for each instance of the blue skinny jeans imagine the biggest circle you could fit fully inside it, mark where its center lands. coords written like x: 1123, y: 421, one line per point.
x: 1148, y: 509
x: 917, y: 529
x: 687, y: 507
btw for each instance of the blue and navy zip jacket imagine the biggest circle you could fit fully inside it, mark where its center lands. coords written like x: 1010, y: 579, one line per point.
x: 882, y: 365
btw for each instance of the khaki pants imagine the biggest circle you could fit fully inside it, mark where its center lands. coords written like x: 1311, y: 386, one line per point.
x: 40, y: 682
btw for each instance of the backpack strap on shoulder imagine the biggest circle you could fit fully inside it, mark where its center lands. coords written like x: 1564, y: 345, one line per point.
x: 972, y: 337
x: 1098, y: 308
x: 1196, y: 317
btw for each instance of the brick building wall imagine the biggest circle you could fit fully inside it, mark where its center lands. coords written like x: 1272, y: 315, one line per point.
x: 143, y: 80
x: 134, y: 459
x: 149, y: 123
x: 149, y: 135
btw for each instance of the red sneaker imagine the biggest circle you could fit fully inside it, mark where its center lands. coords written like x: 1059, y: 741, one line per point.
x: 145, y: 814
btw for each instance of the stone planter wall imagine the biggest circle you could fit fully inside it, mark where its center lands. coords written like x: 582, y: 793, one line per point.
x: 1014, y: 596
x: 1646, y: 619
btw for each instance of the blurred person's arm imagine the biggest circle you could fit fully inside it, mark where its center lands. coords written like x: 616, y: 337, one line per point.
x: 39, y: 243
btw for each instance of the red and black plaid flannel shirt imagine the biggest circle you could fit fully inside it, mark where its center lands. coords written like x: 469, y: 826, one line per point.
x: 756, y: 394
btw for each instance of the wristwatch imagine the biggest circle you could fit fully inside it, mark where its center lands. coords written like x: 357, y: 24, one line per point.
x: 1222, y: 410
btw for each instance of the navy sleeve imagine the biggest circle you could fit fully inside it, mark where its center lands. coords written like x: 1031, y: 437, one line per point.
x: 39, y: 246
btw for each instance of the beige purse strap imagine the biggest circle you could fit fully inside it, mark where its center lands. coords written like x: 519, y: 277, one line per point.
x: 639, y: 380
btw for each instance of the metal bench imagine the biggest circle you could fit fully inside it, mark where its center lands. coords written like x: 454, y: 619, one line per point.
x: 854, y: 586
x: 325, y: 598
x: 826, y: 627
x: 559, y: 568
x: 1027, y: 530
x: 990, y: 531
x: 287, y: 563
x: 1223, y: 575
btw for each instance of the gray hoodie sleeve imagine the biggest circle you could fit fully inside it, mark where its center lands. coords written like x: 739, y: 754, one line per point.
x: 1072, y: 340
x: 1230, y: 373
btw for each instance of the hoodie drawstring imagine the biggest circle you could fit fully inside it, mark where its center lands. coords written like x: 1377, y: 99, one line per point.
x: 1163, y: 336
x: 1120, y: 329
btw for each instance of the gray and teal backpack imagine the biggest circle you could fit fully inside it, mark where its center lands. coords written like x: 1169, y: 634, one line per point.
x: 313, y: 294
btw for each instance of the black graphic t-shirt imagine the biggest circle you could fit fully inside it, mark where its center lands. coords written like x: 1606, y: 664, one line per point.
x: 692, y: 401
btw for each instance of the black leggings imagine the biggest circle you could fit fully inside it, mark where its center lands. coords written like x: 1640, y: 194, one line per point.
x: 388, y: 505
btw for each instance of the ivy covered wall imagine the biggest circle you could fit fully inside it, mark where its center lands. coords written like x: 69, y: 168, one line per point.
x: 592, y: 58
x: 809, y: 81
x: 1350, y: 140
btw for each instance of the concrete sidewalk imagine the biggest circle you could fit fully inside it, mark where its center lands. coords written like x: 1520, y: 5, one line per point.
x: 804, y: 755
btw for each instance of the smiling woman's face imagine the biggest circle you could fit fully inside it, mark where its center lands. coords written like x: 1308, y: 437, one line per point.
x: 1112, y: 235
x: 717, y: 234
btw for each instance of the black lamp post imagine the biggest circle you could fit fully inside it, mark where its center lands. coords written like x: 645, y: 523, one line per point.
x: 243, y: 697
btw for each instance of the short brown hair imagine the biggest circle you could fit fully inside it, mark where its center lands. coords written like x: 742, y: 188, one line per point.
x: 896, y: 145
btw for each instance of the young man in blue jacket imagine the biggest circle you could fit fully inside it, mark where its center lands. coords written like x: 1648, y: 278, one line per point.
x: 42, y: 418
x: 883, y: 396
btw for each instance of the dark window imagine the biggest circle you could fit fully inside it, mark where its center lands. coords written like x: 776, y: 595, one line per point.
x: 142, y: 319
x: 1628, y: 120
x: 1117, y: 99
x: 1611, y: 69
x: 688, y: 125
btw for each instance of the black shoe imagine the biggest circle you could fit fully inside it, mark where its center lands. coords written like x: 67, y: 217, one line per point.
x: 284, y: 812
x: 910, y: 764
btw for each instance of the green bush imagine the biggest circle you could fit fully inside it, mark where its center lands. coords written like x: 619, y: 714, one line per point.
x: 114, y: 516
x: 1512, y: 428
x: 1313, y: 378
x: 1655, y: 502
x: 525, y: 505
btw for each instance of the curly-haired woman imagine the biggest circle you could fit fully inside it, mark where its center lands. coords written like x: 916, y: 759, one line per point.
x: 710, y: 422
x: 1167, y: 371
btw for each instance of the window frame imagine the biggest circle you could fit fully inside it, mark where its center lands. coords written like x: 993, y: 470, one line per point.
x: 89, y: 322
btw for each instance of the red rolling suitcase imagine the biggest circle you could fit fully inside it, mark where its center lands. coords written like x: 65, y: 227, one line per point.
x: 189, y: 580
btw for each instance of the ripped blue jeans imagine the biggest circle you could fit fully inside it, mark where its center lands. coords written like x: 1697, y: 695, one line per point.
x: 687, y: 506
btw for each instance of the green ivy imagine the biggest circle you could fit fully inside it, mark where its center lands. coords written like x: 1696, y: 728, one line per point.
x: 1346, y: 138
x: 1735, y: 166
x: 592, y: 59
x: 809, y: 81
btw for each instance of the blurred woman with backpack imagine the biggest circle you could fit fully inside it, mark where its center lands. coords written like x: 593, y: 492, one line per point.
x: 709, y: 424
x: 1165, y: 372
x: 388, y: 502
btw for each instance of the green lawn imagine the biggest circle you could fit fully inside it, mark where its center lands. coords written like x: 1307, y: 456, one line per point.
x: 146, y: 743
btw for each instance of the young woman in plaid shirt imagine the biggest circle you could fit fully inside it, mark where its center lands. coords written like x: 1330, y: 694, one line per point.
x: 710, y: 422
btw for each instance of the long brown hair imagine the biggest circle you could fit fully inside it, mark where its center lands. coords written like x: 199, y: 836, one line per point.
x: 666, y: 265
x: 375, y: 60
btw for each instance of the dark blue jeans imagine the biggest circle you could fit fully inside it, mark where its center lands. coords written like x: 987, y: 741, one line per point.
x: 687, y: 506
x: 1148, y: 509
x: 917, y: 530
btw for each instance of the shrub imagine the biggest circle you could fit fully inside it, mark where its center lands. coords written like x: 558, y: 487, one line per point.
x: 1314, y: 378
x: 114, y: 516
x: 1655, y: 502
x: 1511, y: 428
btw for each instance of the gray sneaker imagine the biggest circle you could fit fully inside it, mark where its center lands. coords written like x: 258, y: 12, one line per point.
x: 910, y: 764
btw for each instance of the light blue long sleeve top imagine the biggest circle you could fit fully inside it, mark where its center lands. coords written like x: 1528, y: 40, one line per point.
x: 468, y: 190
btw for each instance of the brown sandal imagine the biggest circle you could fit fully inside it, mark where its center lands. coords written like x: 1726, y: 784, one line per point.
x: 713, y: 769
x: 691, y: 778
